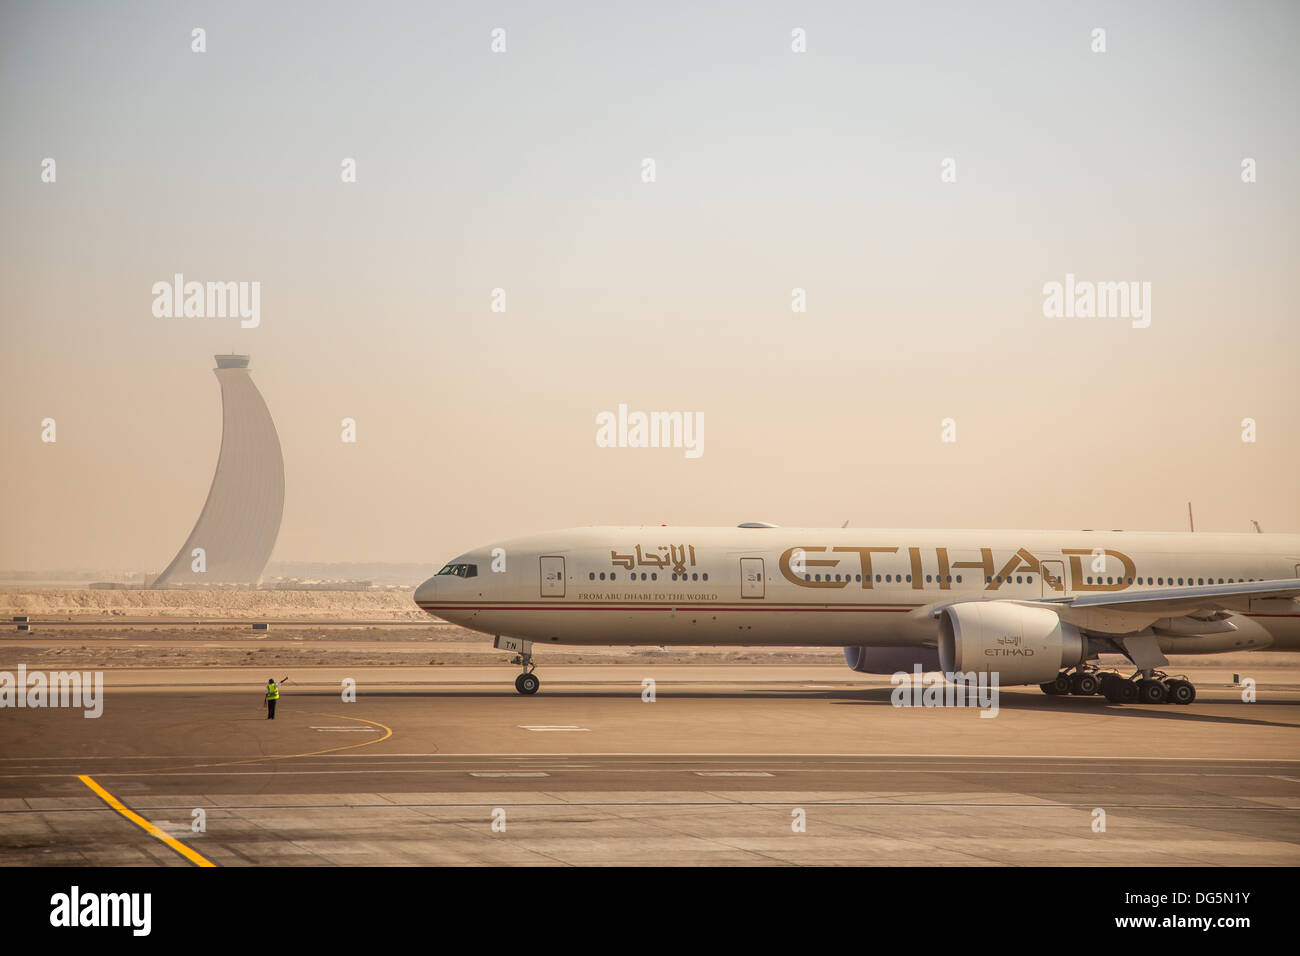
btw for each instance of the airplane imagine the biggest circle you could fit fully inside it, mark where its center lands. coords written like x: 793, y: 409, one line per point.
x: 1034, y: 607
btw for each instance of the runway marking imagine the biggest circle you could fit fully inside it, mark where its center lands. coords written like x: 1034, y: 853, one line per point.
x: 666, y: 768
x: 971, y: 757
x: 803, y: 756
x: 648, y: 771
x: 508, y: 773
x: 355, y: 730
x: 731, y: 773
x: 831, y: 804
x: 388, y: 732
x: 556, y: 728
x: 196, y: 858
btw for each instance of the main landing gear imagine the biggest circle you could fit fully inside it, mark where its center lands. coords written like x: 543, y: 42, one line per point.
x: 1081, y: 682
x: 1150, y: 687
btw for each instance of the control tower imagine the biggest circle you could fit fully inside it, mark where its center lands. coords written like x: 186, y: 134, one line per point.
x: 238, y: 525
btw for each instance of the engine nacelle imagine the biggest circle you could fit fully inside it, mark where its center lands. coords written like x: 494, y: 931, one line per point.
x: 1024, y: 645
x: 891, y: 660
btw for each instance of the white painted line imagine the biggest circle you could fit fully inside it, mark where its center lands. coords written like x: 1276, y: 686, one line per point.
x: 371, y: 771
x: 803, y: 756
x: 731, y: 773
x: 347, y: 729
x: 555, y: 728
x: 508, y: 773
x: 689, y: 755
x: 179, y: 830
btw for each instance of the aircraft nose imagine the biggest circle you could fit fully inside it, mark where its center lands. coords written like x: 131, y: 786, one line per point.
x: 427, y: 592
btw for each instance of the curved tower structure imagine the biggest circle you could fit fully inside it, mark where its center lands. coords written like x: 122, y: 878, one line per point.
x: 240, y: 520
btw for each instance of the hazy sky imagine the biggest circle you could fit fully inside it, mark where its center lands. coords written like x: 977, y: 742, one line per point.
x: 522, y: 170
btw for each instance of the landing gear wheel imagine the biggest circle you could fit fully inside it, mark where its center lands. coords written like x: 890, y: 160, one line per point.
x: 1121, y: 691
x: 1057, y: 687
x: 1181, y: 692
x: 527, y: 683
x: 1152, y: 691
x: 1083, y: 684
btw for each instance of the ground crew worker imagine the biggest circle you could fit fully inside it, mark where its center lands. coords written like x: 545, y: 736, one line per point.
x: 272, y: 695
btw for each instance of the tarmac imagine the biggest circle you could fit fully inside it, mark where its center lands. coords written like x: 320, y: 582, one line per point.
x: 743, y: 765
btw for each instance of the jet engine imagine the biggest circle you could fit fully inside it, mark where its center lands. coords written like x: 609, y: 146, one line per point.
x: 891, y: 660
x: 1024, y: 645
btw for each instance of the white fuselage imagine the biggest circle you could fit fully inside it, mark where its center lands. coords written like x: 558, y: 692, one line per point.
x: 844, y: 587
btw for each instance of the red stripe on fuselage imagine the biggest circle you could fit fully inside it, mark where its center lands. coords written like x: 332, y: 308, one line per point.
x: 657, y: 607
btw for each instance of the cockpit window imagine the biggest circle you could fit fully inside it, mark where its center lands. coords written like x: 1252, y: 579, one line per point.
x: 461, y: 570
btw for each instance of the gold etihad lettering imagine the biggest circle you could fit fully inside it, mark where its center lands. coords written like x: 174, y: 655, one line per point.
x: 808, y: 562
x: 1022, y: 561
x: 1076, y: 569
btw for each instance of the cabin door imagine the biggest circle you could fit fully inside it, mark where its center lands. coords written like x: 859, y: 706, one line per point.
x: 751, y: 577
x: 1052, y: 575
x: 552, y: 569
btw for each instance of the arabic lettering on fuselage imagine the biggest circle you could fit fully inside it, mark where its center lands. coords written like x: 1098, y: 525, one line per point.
x: 664, y: 556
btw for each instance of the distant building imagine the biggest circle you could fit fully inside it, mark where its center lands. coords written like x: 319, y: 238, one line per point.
x: 240, y: 520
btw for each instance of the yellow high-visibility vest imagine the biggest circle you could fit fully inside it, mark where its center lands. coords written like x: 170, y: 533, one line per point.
x: 273, y: 691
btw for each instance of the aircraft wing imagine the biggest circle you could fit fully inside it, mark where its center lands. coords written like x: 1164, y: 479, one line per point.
x: 1174, y: 602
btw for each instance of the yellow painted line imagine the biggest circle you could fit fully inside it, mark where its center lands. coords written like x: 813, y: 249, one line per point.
x: 196, y: 858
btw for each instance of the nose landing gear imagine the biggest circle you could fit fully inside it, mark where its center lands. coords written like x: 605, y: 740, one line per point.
x: 527, y: 682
